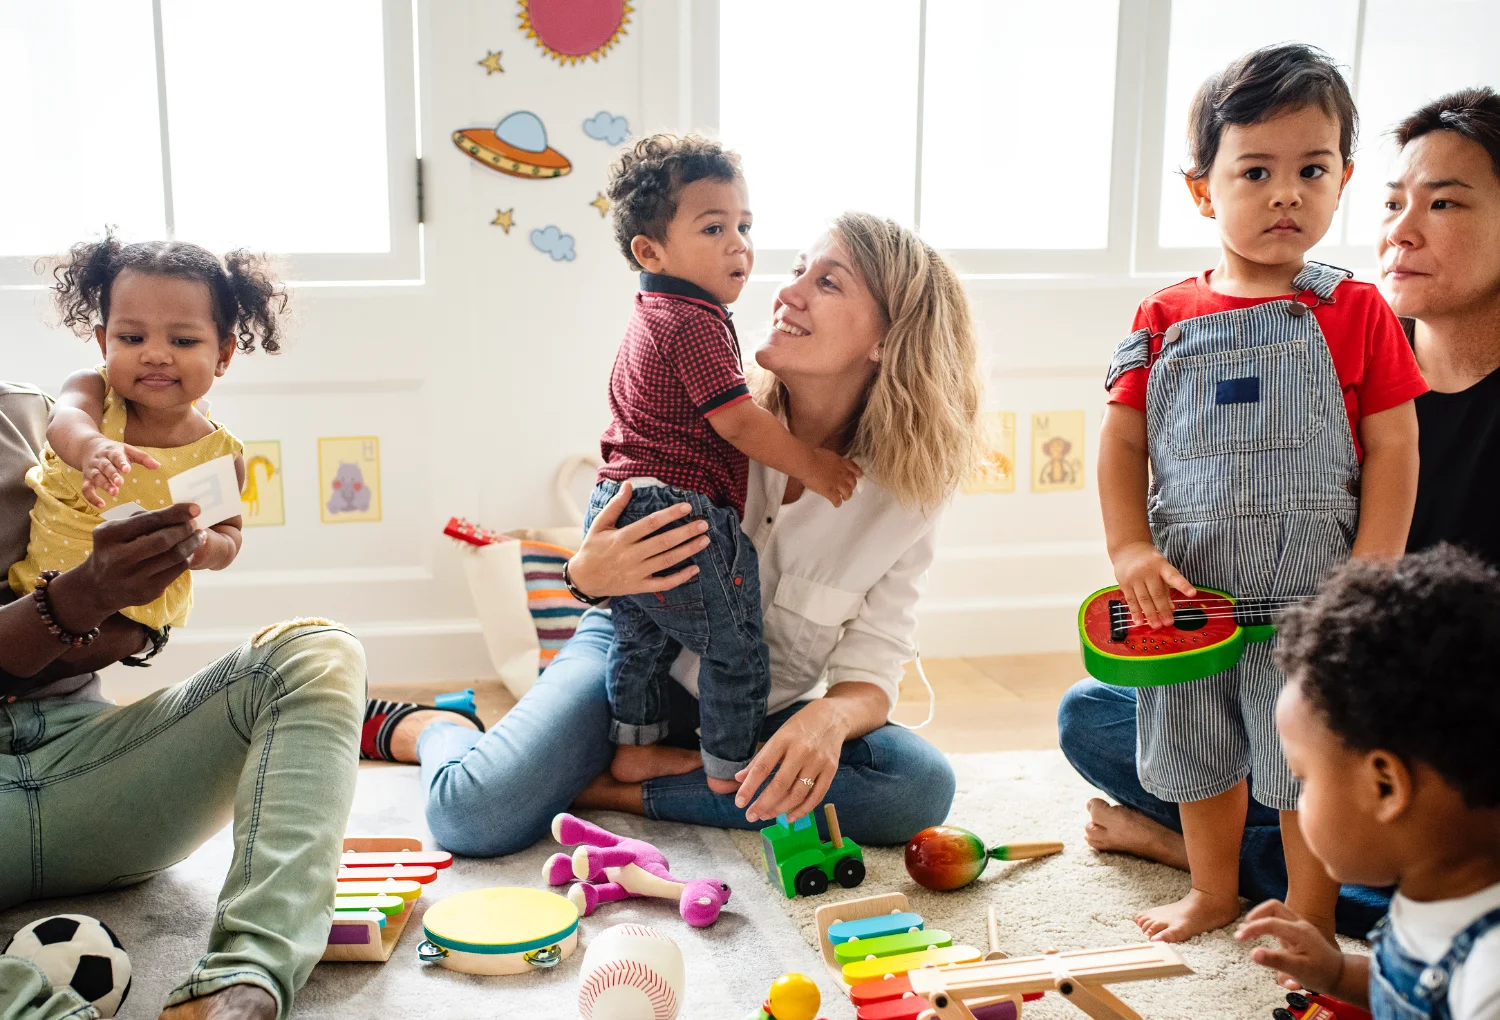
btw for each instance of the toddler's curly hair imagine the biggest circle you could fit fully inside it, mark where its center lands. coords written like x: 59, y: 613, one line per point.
x: 1405, y: 657
x: 247, y: 300
x: 644, y: 183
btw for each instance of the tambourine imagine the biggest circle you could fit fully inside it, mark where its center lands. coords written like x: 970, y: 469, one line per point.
x: 507, y: 930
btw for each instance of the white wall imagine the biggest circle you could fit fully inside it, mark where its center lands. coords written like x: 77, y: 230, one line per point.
x: 482, y: 378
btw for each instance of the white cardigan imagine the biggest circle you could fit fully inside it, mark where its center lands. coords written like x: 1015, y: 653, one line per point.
x: 838, y: 586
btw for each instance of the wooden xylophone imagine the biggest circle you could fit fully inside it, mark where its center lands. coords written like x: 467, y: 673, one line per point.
x: 380, y: 880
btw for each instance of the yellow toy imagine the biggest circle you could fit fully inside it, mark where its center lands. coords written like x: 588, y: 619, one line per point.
x: 792, y: 997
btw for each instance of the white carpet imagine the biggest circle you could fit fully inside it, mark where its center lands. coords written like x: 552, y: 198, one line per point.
x: 1079, y: 899
x: 164, y: 924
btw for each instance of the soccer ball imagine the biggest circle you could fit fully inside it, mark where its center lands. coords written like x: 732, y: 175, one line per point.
x: 77, y: 951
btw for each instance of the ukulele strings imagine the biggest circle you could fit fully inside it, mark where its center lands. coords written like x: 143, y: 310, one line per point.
x: 1245, y: 607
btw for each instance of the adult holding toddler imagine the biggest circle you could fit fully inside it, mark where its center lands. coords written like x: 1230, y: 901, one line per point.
x: 871, y: 357
x: 95, y: 796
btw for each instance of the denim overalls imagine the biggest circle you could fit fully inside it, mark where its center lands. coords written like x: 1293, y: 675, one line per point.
x: 1403, y: 988
x: 1255, y: 492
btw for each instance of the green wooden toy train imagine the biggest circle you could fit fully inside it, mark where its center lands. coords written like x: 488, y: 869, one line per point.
x: 801, y: 863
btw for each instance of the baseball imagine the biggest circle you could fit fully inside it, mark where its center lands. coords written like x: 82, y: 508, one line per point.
x: 631, y: 972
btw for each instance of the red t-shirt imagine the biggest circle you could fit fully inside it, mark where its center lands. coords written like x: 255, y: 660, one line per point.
x: 678, y: 365
x: 1375, y: 365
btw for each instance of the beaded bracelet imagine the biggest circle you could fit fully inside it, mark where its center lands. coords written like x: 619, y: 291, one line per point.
x: 44, y: 610
x: 588, y: 600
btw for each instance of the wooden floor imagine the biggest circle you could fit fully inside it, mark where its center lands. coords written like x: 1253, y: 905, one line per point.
x: 993, y: 703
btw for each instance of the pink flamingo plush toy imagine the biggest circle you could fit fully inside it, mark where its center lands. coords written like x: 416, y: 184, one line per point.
x: 611, y: 868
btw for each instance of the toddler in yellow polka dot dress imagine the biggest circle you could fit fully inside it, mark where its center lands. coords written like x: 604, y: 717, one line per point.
x: 168, y: 318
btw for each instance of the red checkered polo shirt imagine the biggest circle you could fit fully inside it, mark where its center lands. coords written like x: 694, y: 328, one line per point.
x: 678, y: 365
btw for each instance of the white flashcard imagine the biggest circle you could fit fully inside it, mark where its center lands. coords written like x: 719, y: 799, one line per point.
x: 123, y: 511
x: 214, y: 486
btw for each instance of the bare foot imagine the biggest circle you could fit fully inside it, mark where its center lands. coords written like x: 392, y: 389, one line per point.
x: 723, y: 785
x: 636, y: 763
x: 237, y: 1002
x: 1127, y: 831
x: 1194, y: 914
x: 404, y: 736
x: 606, y: 793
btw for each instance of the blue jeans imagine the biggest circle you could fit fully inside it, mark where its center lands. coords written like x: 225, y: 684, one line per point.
x: 495, y: 793
x: 1097, y: 730
x: 715, y: 614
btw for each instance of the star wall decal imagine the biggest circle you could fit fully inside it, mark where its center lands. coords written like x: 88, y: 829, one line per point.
x: 602, y: 204
x: 504, y: 219
x: 491, y: 63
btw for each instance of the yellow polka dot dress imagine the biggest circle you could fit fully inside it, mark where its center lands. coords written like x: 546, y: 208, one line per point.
x: 63, y: 522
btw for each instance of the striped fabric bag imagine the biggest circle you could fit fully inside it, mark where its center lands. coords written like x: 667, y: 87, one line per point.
x: 554, y: 612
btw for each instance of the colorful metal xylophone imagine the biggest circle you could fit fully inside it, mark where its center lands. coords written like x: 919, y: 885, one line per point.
x: 379, y: 879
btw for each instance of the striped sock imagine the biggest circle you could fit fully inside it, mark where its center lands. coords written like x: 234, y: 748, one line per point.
x: 381, y: 719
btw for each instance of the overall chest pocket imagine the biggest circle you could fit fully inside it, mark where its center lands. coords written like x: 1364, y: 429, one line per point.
x: 1264, y: 398
x: 808, y: 620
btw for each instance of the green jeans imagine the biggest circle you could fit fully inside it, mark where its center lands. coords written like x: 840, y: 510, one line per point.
x: 95, y: 797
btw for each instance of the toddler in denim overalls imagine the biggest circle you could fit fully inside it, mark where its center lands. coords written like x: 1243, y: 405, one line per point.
x: 1231, y: 454
x: 1389, y: 718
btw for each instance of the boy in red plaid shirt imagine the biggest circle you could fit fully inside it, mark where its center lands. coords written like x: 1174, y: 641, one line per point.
x: 683, y: 431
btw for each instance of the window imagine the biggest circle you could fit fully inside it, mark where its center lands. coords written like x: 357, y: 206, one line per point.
x: 942, y: 114
x: 192, y: 120
x: 1045, y: 138
x: 1207, y: 35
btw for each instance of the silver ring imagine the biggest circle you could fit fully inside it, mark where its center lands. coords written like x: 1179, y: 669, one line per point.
x: 805, y: 781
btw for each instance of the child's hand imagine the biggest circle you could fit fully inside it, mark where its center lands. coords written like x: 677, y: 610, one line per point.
x: 1305, y: 958
x: 833, y: 477
x: 105, y: 464
x: 1147, y: 579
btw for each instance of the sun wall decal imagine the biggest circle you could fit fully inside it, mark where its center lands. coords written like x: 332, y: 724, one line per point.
x: 572, y: 30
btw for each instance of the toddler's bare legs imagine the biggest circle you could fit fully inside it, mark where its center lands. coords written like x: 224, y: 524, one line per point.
x: 1310, y: 891
x: 1212, y: 829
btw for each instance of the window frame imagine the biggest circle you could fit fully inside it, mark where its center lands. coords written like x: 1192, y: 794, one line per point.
x: 1133, y: 247
x: 403, y: 262
x: 1150, y: 256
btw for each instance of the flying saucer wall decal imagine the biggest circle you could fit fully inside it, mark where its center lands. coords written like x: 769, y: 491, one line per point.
x: 572, y: 30
x: 517, y: 146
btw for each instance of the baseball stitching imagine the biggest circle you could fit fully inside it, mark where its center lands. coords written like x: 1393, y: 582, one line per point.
x: 631, y: 974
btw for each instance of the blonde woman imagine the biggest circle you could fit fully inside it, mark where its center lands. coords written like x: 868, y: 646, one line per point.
x: 871, y: 354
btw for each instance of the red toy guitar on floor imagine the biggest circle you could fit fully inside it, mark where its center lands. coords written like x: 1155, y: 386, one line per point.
x: 1207, y: 635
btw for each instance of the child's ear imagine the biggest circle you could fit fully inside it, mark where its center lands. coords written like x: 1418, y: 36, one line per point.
x: 99, y: 339
x: 647, y: 252
x: 1393, y: 785
x: 1348, y: 173
x: 1198, y: 188
x: 226, y: 353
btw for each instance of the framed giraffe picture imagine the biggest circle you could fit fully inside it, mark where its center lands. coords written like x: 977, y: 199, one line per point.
x: 264, y: 506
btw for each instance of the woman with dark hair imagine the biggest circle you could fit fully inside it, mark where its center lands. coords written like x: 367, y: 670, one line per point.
x: 1440, y: 270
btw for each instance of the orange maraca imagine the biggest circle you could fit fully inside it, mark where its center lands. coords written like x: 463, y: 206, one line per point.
x: 945, y: 857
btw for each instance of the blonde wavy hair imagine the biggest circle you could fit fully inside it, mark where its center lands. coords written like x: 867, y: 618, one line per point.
x: 917, y: 432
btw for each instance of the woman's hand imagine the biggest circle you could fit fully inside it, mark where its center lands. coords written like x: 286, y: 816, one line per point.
x: 807, y: 746
x: 132, y: 563
x: 624, y: 561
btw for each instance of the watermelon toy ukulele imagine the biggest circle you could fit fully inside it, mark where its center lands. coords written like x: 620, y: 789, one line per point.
x: 1207, y: 636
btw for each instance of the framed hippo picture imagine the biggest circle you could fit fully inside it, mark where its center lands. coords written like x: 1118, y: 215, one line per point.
x: 349, y: 479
